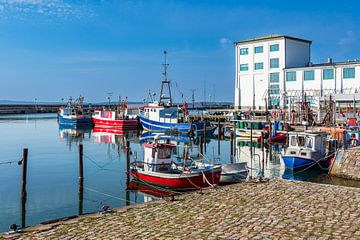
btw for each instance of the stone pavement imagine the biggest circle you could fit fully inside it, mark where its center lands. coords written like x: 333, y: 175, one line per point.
x: 277, y: 209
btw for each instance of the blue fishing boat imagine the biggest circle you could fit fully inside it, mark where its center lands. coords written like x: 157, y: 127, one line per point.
x: 308, y: 150
x: 74, y: 115
x: 163, y: 116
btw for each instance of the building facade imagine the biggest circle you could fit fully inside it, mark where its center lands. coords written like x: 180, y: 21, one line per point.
x: 278, y: 69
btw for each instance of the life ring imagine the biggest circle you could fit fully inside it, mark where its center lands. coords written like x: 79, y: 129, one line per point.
x: 353, y: 142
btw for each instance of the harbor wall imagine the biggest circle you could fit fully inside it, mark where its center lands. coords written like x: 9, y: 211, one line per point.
x: 347, y: 164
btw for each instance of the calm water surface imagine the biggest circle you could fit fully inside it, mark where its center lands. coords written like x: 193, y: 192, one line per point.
x: 52, y: 184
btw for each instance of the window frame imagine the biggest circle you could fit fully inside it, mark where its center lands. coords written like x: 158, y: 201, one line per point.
x: 256, y: 64
x: 328, y: 69
x: 309, y: 71
x: 258, y: 47
x: 242, y: 53
x: 247, y: 67
x: 348, y: 68
x: 277, y: 65
x: 272, y: 45
x: 287, y: 74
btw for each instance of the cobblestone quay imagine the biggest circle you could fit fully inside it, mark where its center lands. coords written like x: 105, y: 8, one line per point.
x: 277, y: 209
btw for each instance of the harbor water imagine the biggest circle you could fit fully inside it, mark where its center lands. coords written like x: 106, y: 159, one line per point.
x: 53, y: 180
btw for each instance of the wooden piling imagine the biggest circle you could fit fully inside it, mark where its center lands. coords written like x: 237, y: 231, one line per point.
x: 231, y: 146
x: 24, y: 173
x: 205, y: 136
x: 127, y: 163
x: 200, y: 147
x: 81, y: 180
x: 234, y: 140
x: 81, y: 162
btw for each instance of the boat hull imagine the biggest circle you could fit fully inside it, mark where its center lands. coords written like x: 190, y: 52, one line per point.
x: 123, y: 123
x: 183, y: 181
x: 75, y: 121
x: 155, y: 126
x: 298, y: 163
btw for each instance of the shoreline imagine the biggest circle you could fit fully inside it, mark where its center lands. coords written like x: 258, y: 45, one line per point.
x: 245, y: 210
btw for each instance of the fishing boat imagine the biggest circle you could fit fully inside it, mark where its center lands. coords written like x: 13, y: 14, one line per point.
x: 163, y: 116
x: 74, y: 114
x: 309, y: 150
x: 234, y: 173
x: 116, y: 117
x: 161, y: 169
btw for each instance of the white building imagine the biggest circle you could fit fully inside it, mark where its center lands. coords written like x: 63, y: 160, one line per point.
x: 279, y: 69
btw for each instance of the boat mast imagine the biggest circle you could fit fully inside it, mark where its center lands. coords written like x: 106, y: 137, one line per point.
x: 164, y: 82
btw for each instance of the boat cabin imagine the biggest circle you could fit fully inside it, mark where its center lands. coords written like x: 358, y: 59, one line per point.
x: 163, y: 114
x: 158, y: 157
x: 311, y: 145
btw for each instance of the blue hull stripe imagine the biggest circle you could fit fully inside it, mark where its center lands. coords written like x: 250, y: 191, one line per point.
x: 160, y: 126
x: 74, y: 121
x: 297, y: 163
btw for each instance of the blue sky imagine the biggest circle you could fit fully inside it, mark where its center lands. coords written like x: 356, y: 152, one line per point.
x: 51, y: 49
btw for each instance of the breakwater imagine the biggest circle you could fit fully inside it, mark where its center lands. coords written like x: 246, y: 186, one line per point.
x: 252, y: 210
x: 347, y: 164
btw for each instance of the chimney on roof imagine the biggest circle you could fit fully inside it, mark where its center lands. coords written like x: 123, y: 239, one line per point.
x: 330, y: 60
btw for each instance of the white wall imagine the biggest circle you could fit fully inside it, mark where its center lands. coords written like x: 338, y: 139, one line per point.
x: 297, y: 53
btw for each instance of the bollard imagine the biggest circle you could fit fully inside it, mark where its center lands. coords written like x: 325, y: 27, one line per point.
x: 24, y: 173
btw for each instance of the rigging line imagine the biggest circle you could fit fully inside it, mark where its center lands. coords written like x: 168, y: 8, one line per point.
x: 11, y: 162
x: 109, y: 195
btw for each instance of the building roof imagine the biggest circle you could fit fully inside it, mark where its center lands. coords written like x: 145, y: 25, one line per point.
x: 329, y: 63
x: 272, y: 36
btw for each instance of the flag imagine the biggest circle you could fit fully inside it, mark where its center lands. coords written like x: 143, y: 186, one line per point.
x: 341, y: 112
x: 186, y: 108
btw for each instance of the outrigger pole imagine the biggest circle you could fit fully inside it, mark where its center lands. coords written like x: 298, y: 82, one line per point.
x: 164, y: 82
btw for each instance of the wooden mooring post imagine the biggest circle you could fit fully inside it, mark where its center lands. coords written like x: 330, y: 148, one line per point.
x: 200, y: 148
x: 24, y: 173
x: 23, y: 187
x: 219, y: 136
x: 81, y: 179
x: 205, y: 136
x: 231, y: 146
x: 127, y: 163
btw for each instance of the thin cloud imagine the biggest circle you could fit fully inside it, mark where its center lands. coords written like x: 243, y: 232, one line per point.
x: 54, y: 8
x: 224, y: 40
x: 348, y: 39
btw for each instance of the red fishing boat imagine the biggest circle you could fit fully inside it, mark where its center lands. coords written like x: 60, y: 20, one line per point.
x: 120, y: 117
x: 159, y: 168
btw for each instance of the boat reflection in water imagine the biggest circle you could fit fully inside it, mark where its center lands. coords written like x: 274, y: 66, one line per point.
x: 74, y: 135
x: 150, y: 192
x: 118, y: 136
x: 176, y: 138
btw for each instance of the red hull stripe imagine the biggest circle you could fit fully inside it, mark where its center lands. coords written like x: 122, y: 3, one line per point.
x: 116, y: 123
x: 193, y: 182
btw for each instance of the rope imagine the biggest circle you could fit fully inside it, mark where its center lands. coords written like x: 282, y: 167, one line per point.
x: 204, y: 178
x: 108, y: 195
x: 11, y: 162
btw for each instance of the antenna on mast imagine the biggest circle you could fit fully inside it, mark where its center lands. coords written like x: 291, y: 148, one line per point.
x: 164, y: 82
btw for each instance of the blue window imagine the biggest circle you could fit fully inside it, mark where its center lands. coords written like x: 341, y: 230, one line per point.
x: 259, y: 49
x: 259, y: 66
x: 274, y: 47
x: 274, y: 63
x: 274, y: 89
x: 244, y: 67
x: 244, y: 51
x: 274, y: 77
x: 328, y: 74
x: 309, y: 75
x: 349, y: 73
x: 291, y: 76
